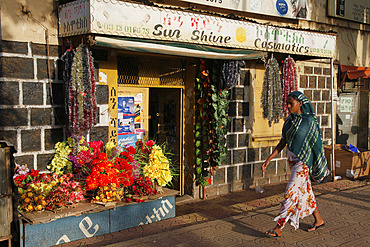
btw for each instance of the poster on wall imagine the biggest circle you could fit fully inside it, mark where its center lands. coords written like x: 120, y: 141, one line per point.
x: 126, y: 121
x: 346, y: 104
x: 130, y: 119
x: 139, y: 126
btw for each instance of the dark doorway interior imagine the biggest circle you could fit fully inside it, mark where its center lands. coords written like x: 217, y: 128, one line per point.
x: 164, y: 124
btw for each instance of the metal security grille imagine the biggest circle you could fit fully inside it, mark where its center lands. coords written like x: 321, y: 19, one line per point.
x: 150, y: 71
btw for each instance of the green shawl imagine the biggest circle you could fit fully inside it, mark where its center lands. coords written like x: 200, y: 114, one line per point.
x: 303, y: 137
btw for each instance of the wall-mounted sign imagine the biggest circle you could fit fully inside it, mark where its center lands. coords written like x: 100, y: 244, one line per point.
x: 140, y: 21
x: 281, y: 8
x: 354, y: 10
x: 346, y: 104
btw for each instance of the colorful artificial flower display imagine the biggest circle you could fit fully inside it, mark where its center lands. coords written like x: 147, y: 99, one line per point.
x: 104, y: 172
x: 113, y: 174
x: 39, y: 191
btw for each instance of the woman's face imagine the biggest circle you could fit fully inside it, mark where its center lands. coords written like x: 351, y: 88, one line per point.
x: 294, y: 106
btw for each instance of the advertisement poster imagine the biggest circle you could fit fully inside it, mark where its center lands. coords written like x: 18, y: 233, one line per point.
x: 139, y: 127
x: 130, y: 119
x: 126, y: 106
x: 126, y: 121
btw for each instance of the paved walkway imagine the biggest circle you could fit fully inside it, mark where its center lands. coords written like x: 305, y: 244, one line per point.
x: 241, y: 218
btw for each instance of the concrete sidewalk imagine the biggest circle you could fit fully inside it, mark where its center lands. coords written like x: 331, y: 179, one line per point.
x: 241, y: 218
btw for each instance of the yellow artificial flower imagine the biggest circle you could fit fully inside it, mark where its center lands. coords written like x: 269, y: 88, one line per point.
x: 109, y: 148
x: 82, y: 140
x: 71, y: 142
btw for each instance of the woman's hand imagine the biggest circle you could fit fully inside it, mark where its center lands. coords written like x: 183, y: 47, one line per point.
x: 276, y: 151
x: 264, y: 165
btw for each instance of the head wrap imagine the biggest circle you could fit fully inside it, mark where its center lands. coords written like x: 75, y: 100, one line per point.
x: 306, y: 103
x: 303, y: 137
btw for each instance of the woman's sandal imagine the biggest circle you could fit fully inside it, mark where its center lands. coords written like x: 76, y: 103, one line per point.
x: 270, y: 232
x: 315, y: 227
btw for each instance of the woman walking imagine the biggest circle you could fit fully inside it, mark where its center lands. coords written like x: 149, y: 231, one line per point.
x: 302, y: 136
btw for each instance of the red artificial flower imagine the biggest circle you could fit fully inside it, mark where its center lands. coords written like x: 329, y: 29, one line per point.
x: 34, y: 173
x: 97, y: 146
x: 103, y: 156
x: 125, y: 154
x: 131, y: 150
x: 150, y: 143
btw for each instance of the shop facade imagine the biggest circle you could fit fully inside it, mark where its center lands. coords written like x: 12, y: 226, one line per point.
x: 156, y: 62
x: 34, y: 116
x: 147, y: 68
x: 34, y: 132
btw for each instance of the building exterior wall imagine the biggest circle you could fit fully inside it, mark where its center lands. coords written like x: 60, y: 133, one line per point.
x: 32, y: 102
x: 27, y: 21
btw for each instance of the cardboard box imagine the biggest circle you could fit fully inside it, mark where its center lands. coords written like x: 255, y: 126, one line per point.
x: 348, y: 164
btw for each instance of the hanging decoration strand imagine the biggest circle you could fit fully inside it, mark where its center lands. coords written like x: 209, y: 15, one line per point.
x: 79, y: 79
x: 271, y: 97
x: 289, y: 81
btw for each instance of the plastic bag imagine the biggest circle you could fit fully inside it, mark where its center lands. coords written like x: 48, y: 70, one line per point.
x: 259, y: 189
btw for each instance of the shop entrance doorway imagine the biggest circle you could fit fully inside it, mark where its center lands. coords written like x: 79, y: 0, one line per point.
x: 165, y: 124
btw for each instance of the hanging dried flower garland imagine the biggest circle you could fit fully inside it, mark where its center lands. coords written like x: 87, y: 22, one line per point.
x: 79, y: 78
x: 231, y: 73
x: 211, y: 110
x: 271, y: 98
x: 289, y: 80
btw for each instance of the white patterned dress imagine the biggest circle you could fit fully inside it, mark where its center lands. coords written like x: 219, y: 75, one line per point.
x: 299, y: 200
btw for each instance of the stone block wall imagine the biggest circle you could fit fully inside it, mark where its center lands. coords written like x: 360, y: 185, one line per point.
x: 315, y: 82
x: 32, y: 106
x: 244, y: 168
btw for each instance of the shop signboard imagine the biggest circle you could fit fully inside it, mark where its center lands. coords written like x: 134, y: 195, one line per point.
x: 280, y: 8
x: 140, y: 21
x: 353, y: 10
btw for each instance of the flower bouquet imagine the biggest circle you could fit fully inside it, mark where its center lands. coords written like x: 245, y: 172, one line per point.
x: 141, y: 189
x: 110, y: 176
x: 155, y: 165
x: 45, y: 191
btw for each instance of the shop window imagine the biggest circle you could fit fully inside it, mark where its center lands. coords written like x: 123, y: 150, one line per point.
x: 128, y: 70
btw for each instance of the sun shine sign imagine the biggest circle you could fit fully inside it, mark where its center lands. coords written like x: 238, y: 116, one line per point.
x: 125, y: 19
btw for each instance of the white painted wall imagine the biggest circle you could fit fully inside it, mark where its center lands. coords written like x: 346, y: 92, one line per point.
x: 26, y: 21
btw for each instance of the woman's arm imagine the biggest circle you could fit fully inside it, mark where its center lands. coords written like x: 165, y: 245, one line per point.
x: 276, y: 151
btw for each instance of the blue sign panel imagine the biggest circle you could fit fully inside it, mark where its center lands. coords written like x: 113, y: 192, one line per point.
x: 66, y: 229
x: 281, y: 7
x: 142, y: 213
x: 72, y: 228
